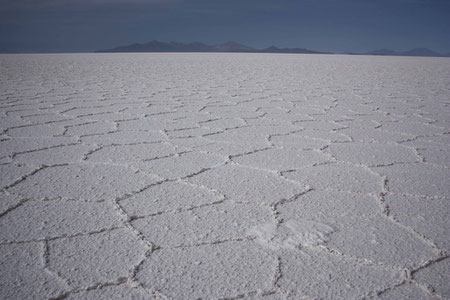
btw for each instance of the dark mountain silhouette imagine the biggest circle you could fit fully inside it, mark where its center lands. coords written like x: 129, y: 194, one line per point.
x: 382, y: 52
x: 274, y: 49
x: 233, y: 47
x: 413, y: 52
x: 420, y: 52
x: 157, y: 46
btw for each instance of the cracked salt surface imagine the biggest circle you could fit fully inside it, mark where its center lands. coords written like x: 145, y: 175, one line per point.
x: 280, y: 177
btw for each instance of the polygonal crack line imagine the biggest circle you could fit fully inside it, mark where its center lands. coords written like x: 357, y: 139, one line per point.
x: 119, y: 281
x: 203, y: 170
x: 374, y: 294
x: 115, y: 124
x: 64, y: 236
x: 221, y: 129
x: 412, y: 139
x: 249, y: 152
x: 350, y: 192
x: 242, y: 295
x: 274, y: 290
x: 122, y: 120
x: 97, y: 286
x: 183, y: 180
x: 323, y: 150
x: 132, y: 277
x: 206, y: 135
x: 22, y: 200
x: 435, y: 165
x: 404, y: 282
x: 360, y: 260
x: 202, y: 186
x: 427, y: 289
x: 428, y: 197
x: 67, y: 127
x: 428, y: 264
x: 124, y: 144
x: 6, y: 130
x: 388, y: 216
x: 131, y: 167
x: 242, y: 239
x: 55, y: 122
x: 45, y: 263
x: 92, y: 151
x: 97, y: 134
x: 270, y: 136
x: 126, y: 218
x: 14, y: 154
x: 5, y: 137
x: 274, y: 206
x: 330, y: 157
x: 167, y: 156
x: 63, y: 134
x: 166, y: 131
x: 177, y: 211
x: 329, y: 162
x: 209, y: 120
x: 223, y: 199
x: 193, y: 147
x: 225, y: 157
x: 25, y: 177
x: 273, y: 172
x: 276, y: 277
x: 416, y: 152
x: 79, y: 124
x: 423, y: 286
x: 343, y: 127
x: 353, y: 259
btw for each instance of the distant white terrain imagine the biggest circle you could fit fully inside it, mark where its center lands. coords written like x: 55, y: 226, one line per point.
x: 224, y: 176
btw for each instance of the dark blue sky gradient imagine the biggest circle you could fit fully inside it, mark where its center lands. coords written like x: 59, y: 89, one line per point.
x: 325, y: 25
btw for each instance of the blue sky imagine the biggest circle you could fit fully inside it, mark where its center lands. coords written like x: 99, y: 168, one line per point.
x: 324, y: 25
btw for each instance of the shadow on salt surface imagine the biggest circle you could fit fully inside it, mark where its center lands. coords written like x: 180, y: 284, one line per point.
x: 291, y: 235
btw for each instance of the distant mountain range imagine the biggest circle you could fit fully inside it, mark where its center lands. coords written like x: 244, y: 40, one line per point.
x: 412, y: 52
x: 157, y: 46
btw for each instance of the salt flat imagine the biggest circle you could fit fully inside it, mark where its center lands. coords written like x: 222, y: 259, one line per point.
x: 257, y: 176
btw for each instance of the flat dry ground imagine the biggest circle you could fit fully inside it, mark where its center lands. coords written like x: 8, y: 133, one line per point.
x: 223, y: 176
